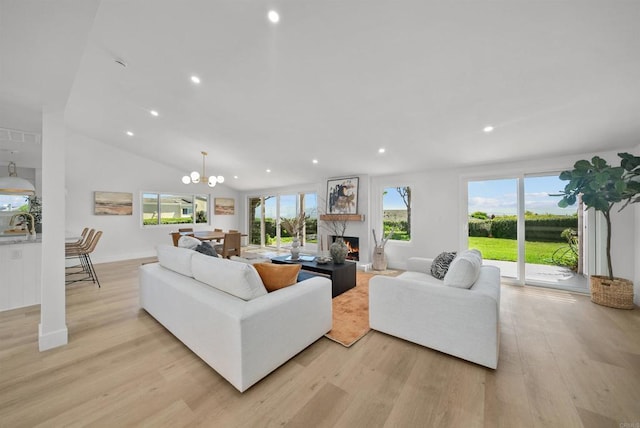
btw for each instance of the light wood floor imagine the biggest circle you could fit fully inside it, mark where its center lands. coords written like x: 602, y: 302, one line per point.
x: 564, y: 362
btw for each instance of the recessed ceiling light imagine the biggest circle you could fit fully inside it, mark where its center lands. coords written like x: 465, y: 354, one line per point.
x: 488, y: 128
x: 130, y: 134
x: 315, y: 161
x: 235, y: 176
x: 268, y: 170
x: 195, y: 79
x: 153, y: 113
x: 273, y: 16
x: 381, y: 150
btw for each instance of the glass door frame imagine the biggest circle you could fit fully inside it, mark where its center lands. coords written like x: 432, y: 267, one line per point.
x: 300, y: 204
x: 591, y: 224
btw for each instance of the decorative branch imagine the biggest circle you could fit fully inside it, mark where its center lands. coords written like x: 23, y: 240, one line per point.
x: 384, y: 239
x: 294, y: 225
x: 337, y: 226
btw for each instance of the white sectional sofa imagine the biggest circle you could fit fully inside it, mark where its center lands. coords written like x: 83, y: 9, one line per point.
x: 242, y: 338
x: 460, y: 321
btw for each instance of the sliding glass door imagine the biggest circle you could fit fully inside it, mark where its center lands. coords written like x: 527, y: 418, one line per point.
x: 267, y: 212
x: 493, y: 222
x: 517, y: 225
x: 554, y: 236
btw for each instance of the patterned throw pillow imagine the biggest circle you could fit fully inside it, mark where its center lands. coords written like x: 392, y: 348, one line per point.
x: 441, y: 264
x: 206, y: 248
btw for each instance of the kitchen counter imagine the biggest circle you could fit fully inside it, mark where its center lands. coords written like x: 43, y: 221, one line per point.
x: 20, y: 264
x: 12, y: 239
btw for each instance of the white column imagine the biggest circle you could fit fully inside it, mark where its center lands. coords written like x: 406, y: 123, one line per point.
x: 53, y: 327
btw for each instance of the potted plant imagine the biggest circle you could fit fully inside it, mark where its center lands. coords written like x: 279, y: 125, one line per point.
x: 602, y: 186
x: 35, y: 209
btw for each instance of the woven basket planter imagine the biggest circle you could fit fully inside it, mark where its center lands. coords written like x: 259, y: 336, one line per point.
x: 614, y: 293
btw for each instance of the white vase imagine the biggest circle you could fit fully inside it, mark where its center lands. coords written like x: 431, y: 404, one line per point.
x: 379, y: 259
x: 295, y: 249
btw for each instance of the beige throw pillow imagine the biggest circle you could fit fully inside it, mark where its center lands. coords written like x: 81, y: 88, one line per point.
x: 275, y: 276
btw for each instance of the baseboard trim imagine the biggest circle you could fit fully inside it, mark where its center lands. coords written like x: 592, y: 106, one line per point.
x: 53, y: 339
x: 110, y: 258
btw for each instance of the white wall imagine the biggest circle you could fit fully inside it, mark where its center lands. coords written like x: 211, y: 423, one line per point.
x: 434, y: 223
x: 94, y: 166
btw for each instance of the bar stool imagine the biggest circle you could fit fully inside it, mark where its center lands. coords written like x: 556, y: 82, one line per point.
x: 83, y: 253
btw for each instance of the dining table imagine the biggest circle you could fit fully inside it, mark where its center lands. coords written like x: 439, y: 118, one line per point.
x: 209, y: 235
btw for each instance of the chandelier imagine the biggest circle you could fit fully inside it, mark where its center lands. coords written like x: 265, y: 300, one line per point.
x: 196, y: 178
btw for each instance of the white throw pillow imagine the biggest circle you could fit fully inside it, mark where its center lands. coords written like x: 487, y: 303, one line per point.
x: 188, y: 242
x: 238, y: 279
x: 464, y: 270
x: 475, y: 251
x: 175, y: 258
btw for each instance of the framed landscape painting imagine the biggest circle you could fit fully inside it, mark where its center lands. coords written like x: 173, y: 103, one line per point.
x: 342, y: 196
x: 224, y: 206
x: 113, y: 203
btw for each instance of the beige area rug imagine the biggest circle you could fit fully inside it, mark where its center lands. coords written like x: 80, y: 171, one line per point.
x: 351, y: 311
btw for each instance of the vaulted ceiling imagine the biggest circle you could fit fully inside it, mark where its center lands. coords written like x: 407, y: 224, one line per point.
x: 333, y: 81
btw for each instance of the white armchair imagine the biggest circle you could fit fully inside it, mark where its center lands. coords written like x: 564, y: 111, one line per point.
x: 419, y: 308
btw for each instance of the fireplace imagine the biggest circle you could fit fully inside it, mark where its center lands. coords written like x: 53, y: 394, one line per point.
x: 353, y: 245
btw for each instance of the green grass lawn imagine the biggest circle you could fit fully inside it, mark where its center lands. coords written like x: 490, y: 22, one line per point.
x: 507, y: 249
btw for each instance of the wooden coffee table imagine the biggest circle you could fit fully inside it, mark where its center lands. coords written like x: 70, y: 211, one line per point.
x: 343, y: 276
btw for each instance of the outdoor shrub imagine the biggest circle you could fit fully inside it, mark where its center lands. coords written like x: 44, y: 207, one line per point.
x: 480, y: 228
x: 549, y: 228
x: 479, y: 215
x: 504, y: 227
x: 400, y: 229
x: 201, y: 216
x: 539, y: 228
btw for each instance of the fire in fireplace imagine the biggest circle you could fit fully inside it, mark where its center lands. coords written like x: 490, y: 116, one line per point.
x: 353, y: 245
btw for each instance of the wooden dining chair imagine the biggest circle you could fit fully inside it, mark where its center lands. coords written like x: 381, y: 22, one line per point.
x: 176, y: 237
x: 186, y: 229
x: 217, y: 230
x: 231, y: 245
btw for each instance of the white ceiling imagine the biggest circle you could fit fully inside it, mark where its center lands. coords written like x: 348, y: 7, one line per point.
x: 334, y: 80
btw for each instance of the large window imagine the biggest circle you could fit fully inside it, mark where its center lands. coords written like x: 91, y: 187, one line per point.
x: 10, y: 203
x: 165, y: 208
x: 266, y: 213
x: 396, y: 212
